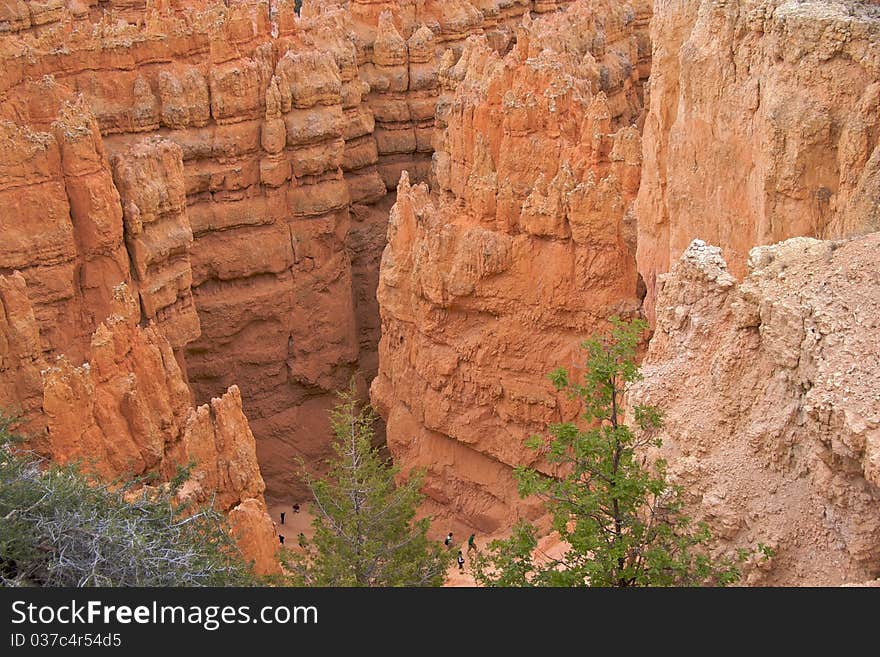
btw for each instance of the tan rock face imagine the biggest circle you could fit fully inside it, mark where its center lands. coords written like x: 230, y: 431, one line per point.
x: 524, y: 247
x: 763, y: 125
x: 772, y: 416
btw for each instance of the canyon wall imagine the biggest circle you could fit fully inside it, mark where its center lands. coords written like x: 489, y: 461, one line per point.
x: 399, y: 47
x: 195, y: 199
x: 763, y: 125
x: 771, y: 409
x: 523, y: 246
x: 62, y: 218
x: 91, y: 369
x: 232, y: 218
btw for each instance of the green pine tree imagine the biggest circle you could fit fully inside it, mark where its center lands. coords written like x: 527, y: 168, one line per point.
x: 365, y: 528
x: 620, y: 517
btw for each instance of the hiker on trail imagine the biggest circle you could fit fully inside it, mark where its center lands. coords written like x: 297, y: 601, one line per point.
x: 448, y: 541
x: 282, y: 517
x: 302, y: 540
x: 296, y: 508
x: 471, y: 544
x: 460, y: 562
x: 281, y: 538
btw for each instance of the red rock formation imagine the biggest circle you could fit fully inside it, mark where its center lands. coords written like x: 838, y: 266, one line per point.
x: 241, y: 214
x: 127, y: 411
x: 149, y: 177
x: 75, y: 234
x: 771, y: 411
x: 61, y: 218
x: 403, y: 87
x: 399, y: 46
x: 525, y: 248
x: 16, y: 15
x: 229, y: 165
x: 119, y: 408
x: 21, y: 354
x: 763, y: 125
x: 232, y: 228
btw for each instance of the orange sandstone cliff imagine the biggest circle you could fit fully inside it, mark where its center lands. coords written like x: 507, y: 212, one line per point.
x: 229, y: 164
x: 522, y: 246
x: 92, y: 370
x: 195, y: 199
x: 400, y: 45
x: 762, y: 125
x: 232, y: 227
x: 127, y: 411
x: 252, y: 234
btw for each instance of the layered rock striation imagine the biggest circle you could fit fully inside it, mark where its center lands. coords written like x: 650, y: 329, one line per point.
x: 194, y: 197
x: 400, y: 45
x: 62, y: 219
x: 229, y: 220
x: 771, y: 414
x: 231, y: 164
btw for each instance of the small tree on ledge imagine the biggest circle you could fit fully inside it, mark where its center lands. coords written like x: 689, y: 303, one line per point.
x: 365, y: 532
x: 620, y: 518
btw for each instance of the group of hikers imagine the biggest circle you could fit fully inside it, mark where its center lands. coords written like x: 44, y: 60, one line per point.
x: 471, y: 543
x: 301, y: 537
x: 448, y: 541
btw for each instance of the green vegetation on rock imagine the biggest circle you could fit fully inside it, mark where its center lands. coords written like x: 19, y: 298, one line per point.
x: 366, y: 533
x: 620, y: 518
x: 61, y: 527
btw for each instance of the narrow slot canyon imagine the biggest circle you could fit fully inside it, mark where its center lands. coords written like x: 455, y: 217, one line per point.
x: 215, y: 215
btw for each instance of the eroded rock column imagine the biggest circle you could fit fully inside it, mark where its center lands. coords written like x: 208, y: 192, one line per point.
x: 523, y: 246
